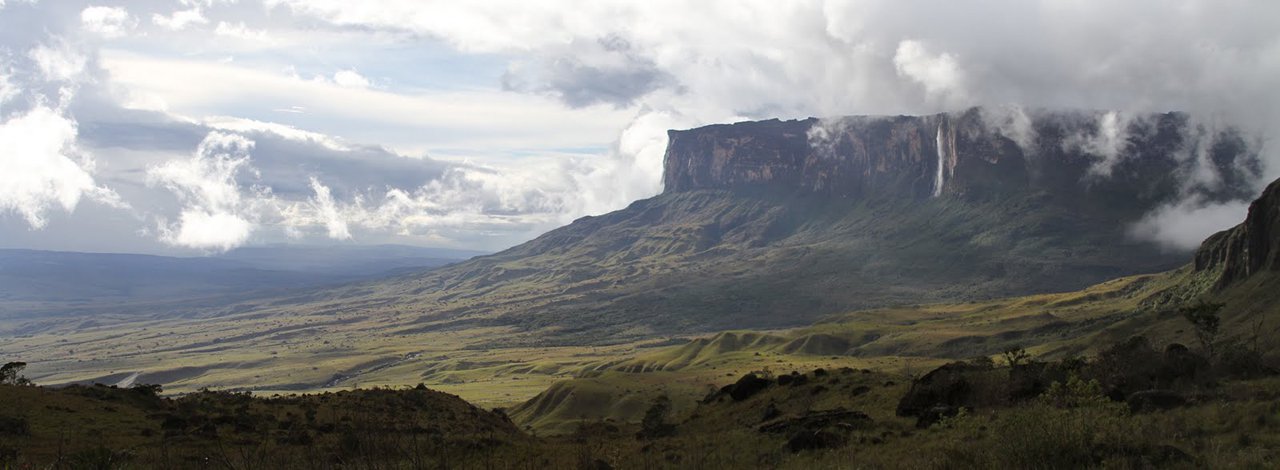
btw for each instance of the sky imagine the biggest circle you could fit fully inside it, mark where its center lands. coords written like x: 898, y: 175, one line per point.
x: 197, y: 126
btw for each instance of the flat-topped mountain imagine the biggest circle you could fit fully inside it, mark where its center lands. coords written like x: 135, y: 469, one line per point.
x: 777, y: 223
x: 1083, y: 157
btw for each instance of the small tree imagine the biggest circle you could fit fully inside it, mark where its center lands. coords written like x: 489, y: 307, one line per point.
x: 151, y: 390
x: 654, y: 424
x: 1204, y: 318
x: 1015, y: 356
x: 11, y: 374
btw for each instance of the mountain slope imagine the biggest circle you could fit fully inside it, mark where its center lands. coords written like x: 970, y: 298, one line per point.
x: 777, y: 223
x: 1237, y: 267
x: 764, y: 224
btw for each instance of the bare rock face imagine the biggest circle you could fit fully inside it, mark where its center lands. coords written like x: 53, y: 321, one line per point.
x: 973, y: 154
x: 1248, y: 248
x: 774, y: 224
x: 853, y: 157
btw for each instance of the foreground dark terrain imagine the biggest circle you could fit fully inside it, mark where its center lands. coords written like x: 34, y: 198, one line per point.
x: 1134, y: 406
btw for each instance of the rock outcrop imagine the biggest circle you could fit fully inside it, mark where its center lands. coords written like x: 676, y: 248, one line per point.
x: 1248, y: 248
x: 978, y: 153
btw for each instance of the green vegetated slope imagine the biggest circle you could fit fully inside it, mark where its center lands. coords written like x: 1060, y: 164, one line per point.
x: 1236, y: 268
x: 732, y: 400
x: 677, y: 264
x: 713, y: 260
x: 908, y: 340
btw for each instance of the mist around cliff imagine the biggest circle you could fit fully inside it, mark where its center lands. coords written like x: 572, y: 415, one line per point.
x: 578, y: 106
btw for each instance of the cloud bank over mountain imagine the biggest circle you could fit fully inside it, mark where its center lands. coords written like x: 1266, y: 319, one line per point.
x: 205, y: 125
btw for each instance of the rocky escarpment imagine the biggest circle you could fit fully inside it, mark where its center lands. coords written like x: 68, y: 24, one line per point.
x: 1248, y: 248
x: 775, y: 224
x: 1079, y: 157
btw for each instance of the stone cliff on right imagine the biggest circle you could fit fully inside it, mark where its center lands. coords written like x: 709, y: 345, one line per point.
x: 1249, y: 249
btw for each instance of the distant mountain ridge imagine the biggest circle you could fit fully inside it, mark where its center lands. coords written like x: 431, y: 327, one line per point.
x: 55, y: 276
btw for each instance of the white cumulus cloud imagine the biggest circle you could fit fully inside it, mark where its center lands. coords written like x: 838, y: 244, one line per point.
x: 8, y: 89
x: 58, y: 61
x: 238, y: 30
x: 40, y: 168
x: 180, y: 20
x: 939, y: 74
x: 350, y: 79
x: 109, y: 22
x: 215, y: 215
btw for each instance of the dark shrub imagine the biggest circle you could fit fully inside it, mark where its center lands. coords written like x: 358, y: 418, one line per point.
x: 747, y: 386
x: 1154, y: 400
x: 11, y: 374
x: 935, y: 414
x: 150, y: 390
x: 815, y: 440
x: 99, y: 458
x: 14, y: 426
x: 1239, y: 362
x: 1181, y: 367
x: 1127, y: 367
x: 957, y: 384
x: 654, y: 424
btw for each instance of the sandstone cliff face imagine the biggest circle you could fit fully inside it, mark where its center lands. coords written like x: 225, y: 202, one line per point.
x: 962, y: 155
x: 775, y: 224
x: 1248, y: 248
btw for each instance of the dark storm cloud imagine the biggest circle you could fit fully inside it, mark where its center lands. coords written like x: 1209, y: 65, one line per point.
x: 681, y: 64
x: 587, y: 72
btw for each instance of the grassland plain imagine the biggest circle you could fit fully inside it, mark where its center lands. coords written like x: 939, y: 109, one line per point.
x: 553, y: 389
x: 328, y: 352
x: 588, y: 403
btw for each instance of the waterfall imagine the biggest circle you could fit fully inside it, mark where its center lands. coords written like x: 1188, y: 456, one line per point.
x: 939, y: 178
